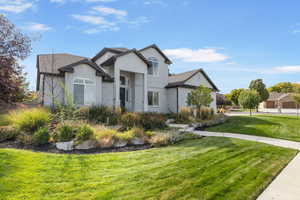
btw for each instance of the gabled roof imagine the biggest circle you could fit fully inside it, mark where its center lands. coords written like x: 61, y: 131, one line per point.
x: 112, y: 60
x: 179, y: 80
x: 167, y: 60
x: 276, y: 96
x: 99, y: 71
x: 50, y: 63
x: 116, y: 50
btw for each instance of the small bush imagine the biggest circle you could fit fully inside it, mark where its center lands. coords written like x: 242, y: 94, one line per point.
x: 130, y: 120
x: 25, y: 139
x: 29, y: 120
x: 106, y: 137
x: 162, y: 139
x: 104, y: 114
x: 152, y: 121
x: 7, y: 133
x: 82, y: 113
x: 184, y: 116
x: 63, y: 133
x: 205, y: 113
x: 84, y: 132
x: 41, y: 136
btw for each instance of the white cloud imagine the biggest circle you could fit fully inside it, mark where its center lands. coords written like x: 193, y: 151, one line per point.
x: 36, y: 27
x: 286, y: 69
x: 90, y: 19
x: 110, y: 11
x: 15, y: 6
x: 206, y: 55
x: 57, y: 1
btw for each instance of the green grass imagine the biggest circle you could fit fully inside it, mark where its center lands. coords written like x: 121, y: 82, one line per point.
x: 283, y: 127
x: 209, y: 168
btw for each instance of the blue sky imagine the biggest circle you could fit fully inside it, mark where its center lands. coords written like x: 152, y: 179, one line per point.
x: 234, y: 41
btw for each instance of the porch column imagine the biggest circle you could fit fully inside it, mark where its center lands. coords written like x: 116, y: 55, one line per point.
x: 117, y: 87
x: 145, y: 93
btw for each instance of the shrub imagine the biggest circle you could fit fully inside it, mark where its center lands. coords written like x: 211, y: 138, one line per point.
x: 106, y: 137
x: 7, y: 133
x: 25, y: 139
x: 63, y: 133
x: 29, y: 120
x: 152, y: 121
x: 130, y: 120
x: 184, y: 116
x: 41, y: 136
x: 162, y: 139
x: 82, y: 113
x: 104, y: 114
x: 84, y: 132
x: 204, y: 113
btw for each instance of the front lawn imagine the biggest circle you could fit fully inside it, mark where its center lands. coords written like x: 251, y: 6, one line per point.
x: 283, y: 127
x: 208, y: 168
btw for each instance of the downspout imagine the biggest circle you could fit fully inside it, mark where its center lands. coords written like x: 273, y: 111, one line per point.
x: 43, y: 96
x: 177, y: 99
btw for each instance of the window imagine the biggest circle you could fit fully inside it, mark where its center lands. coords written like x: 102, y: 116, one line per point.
x: 153, y: 98
x: 84, y: 91
x: 153, y: 68
x: 78, y: 94
x: 122, y: 80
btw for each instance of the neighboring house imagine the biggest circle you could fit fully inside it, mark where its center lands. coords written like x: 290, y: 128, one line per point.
x: 137, y: 80
x: 278, y: 102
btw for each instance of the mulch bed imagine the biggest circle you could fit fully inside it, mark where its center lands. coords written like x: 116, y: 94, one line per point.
x: 50, y: 148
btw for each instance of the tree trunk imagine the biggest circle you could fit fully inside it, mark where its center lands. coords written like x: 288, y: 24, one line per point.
x: 250, y: 112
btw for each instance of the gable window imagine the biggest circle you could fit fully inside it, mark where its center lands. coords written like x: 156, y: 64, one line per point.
x: 153, y: 98
x: 153, y: 68
x: 84, y: 91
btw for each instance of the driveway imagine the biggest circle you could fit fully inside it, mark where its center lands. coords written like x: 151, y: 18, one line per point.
x: 286, y: 186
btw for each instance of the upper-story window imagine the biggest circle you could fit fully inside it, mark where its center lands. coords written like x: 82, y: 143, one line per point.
x: 153, y: 68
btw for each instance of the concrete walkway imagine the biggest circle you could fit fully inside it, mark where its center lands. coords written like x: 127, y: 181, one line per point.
x: 286, y: 185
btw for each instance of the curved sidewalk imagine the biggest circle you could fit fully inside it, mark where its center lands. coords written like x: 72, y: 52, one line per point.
x: 286, y: 186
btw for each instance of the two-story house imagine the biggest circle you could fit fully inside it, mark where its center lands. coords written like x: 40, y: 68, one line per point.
x: 137, y: 80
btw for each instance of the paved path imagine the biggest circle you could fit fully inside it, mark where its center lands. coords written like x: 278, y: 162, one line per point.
x: 286, y: 185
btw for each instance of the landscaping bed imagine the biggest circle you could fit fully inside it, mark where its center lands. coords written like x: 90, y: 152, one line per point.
x: 85, y: 130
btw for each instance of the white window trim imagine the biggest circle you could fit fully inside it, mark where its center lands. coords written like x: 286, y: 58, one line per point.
x: 154, y: 91
x: 156, y: 60
x: 127, y: 88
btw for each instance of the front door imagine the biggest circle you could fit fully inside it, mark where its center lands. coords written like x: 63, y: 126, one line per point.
x: 122, y: 97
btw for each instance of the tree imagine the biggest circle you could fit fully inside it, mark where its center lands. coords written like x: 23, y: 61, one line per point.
x: 260, y: 87
x: 200, y: 97
x: 234, y: 95
x: 296, y: 98
x: 14, y: 46
x: 249, y: 99
x: 284, y: 87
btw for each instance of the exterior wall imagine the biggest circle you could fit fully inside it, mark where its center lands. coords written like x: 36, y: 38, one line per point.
x: 182, y: 98
x: 132, y: 63
x: 172, y: 100
x: 199, y: 79
x: 57, y: 86
x: 86, y: 72
x: 158, y: 83
x: 105, y: 57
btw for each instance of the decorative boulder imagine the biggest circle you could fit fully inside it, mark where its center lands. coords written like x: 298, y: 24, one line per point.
x: 137, y: 141
x: 106, y: 143
x: 88, y: 144
x: 120, y: 143
x: 65, y: 146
